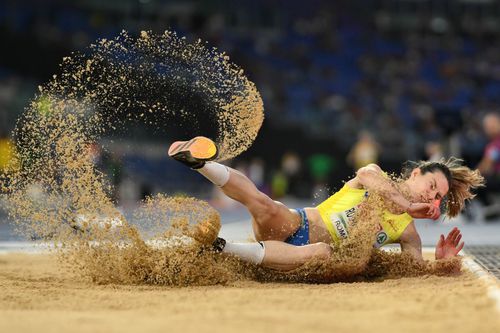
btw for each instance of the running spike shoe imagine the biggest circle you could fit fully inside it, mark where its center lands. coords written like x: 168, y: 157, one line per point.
x: 195, y: 152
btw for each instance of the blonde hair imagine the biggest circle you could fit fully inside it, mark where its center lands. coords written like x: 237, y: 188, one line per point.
x: 461, y: 180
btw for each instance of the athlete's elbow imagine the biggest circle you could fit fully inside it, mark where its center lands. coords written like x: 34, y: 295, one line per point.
x: 370, y: 168
x: 366, y: 173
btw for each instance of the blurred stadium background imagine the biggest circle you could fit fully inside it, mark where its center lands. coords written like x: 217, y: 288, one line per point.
x: 344, y: 83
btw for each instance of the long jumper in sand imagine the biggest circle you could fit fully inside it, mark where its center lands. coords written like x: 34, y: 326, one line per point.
x: 287, y: 238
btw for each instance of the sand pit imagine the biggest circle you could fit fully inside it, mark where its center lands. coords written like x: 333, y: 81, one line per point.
x: 37, y: 295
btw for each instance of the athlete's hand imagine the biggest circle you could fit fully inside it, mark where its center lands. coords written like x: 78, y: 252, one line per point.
x: 449, y: 247
x: 421, y: 210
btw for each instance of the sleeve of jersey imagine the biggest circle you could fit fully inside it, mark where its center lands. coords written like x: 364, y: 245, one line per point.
x: 405, y: 219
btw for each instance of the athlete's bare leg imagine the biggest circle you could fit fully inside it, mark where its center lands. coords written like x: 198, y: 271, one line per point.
x: 271, y: 220
x: 285, y: 257
x: 274, y: 254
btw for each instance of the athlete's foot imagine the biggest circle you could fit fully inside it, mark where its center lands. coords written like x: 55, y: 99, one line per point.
x: 195, y: 152
x: 218, y: 245
x: 206, y: 232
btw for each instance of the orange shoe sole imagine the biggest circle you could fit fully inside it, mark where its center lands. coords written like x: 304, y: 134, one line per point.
x: 200, y: 148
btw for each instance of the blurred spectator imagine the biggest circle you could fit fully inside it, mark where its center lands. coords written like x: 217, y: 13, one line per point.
x: 364, y: 151
x: 320, y: 168
x: 489, y: 165
x: 279, y: 185
x: 433, y: 151
x: 291, y: 166
x: 110, y: 164
x: 129, y: 191
x: 256, y: 173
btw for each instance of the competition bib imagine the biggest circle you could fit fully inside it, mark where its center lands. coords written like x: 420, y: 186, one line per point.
x: 342, y: 220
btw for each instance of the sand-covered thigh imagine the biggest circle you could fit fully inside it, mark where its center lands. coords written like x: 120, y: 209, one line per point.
x: 35, y: 295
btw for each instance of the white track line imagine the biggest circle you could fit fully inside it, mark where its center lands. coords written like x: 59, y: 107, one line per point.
x: 491, y: 283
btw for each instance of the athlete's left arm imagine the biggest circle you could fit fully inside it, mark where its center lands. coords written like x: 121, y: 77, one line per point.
x: 450, y: 246
x: 446, y: 248
x: 411, y: 243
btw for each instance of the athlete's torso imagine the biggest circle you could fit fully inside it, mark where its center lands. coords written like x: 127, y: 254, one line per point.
x: 338, y: 211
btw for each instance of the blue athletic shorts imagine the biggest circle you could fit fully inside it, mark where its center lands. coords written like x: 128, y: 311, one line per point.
x: 301, y: 236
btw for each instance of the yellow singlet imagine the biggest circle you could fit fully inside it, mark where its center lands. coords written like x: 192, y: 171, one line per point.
x: 338, y: 211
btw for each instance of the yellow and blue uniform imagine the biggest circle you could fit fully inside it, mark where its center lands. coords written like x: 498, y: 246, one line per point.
x: 338, y: 211
x: 301, y: 236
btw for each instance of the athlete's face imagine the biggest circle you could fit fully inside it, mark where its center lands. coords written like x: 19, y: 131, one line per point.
x: 429, y: 187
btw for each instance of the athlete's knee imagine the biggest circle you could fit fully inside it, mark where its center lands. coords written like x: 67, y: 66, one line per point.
x: 321, y: 250
x: 267, y: 206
